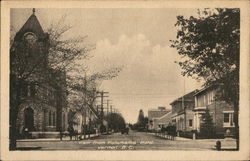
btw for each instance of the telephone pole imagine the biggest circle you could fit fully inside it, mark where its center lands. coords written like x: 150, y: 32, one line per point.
x: 102, y: 96
x: 108, y: 101
x: 85, y: 110
x: 111, y: 109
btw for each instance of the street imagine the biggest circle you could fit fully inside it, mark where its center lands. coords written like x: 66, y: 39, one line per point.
x: 117, y: 141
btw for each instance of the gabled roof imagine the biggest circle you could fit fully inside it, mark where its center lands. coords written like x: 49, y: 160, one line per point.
x: 207, y: 88
x: 169, y: 113
x: 31, y: 25
x: 157, y: 113
x: 187, y: 97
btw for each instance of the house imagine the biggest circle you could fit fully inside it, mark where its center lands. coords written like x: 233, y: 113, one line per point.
x: 44, y: 106
x: 162, y: 121
x: 182, y: 112
x: 84, y: 122
x: 221, y: 112
x: 153, y: 114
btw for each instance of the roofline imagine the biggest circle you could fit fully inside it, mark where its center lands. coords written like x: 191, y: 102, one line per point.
x: 178, y: 99
x: 170, y: 112
x: 166, y: 109
x: 201, y: 90
x: 205, y: 88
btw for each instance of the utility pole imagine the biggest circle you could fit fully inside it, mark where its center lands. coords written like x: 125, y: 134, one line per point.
x: 85, y: 102
x: 111, y: 109
x: 102, y: 96
x: 108, y: 101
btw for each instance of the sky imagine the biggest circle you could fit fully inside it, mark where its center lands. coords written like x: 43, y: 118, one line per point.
x: 135, y: 39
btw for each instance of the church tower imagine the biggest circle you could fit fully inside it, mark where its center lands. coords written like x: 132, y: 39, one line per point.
x: 44, y: 107
x: 31, y: 31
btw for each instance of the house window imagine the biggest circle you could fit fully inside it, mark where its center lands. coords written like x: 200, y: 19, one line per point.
x: 226, y: 117
x: 201, y: 100
x: 210, y: 97
x: 190, y: 122
x: 151, y: 122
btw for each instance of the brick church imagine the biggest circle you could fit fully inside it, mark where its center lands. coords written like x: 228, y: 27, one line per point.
x: 43, y: 110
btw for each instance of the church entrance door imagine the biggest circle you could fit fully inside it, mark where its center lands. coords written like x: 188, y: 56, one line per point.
x: 29, y: 118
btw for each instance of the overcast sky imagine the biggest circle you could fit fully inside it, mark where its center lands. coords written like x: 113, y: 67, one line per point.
x: 138, y: 40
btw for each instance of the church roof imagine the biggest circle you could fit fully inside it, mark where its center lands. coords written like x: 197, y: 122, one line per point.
x: 31, y: 25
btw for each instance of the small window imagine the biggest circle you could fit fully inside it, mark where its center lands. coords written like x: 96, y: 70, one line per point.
x: 32, y: 90
x: 54, y: 119
x: 190, y: 122
x: 50, y: 118
x: 226, y: 117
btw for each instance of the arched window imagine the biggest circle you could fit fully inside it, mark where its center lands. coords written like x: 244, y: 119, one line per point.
x: 29, y: 118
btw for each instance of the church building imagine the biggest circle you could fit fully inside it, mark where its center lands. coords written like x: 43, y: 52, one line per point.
x: 43, y: 111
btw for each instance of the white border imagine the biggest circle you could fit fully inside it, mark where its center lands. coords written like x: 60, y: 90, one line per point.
x: 127, y: 155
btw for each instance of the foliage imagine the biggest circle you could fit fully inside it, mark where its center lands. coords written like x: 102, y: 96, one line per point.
x: 142, y: 121
x: 42, y: 62
x: 115, y: 121
x: 83, y: 90
x: 207, y: 128
x: 209, y: 46
x: 64, y: 50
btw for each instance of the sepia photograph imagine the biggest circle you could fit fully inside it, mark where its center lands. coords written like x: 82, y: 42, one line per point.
x: 124, y: 79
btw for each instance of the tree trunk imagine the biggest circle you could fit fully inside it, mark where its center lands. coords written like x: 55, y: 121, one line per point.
x: 14, y: 108
x: 85, y: 126
x: 89, y: 128
x: 236, y: 122
x: 13, y: 131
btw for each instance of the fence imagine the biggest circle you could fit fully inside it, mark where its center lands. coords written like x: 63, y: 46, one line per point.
x: 165, y: 135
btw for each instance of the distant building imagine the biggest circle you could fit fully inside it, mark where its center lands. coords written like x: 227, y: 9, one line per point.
x: 221, y: 112
x: 44, y: 107
x: 84, y: 121
x: 153, y: 114
x: 182, y: 112
x: 162, y: 121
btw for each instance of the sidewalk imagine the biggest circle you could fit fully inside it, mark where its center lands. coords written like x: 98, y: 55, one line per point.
x: 227, y: 144
x: 181, y: 138
x: 175, y: 138
x: 65, y: 138
x: 200, y: 140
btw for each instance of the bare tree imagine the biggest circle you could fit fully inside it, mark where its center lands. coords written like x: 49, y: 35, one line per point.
x: 41, y: 63
x: 83, y: 92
